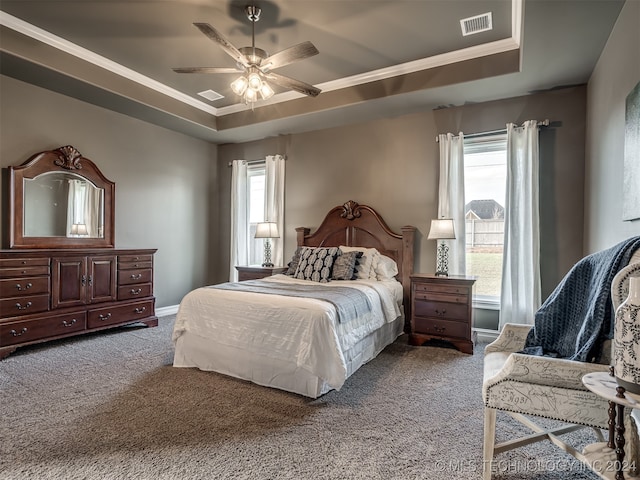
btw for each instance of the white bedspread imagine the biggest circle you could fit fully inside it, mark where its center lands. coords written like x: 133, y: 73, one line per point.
x: 300, y: 330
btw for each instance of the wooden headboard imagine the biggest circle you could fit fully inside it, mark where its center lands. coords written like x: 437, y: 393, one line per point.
x: 357, y: 225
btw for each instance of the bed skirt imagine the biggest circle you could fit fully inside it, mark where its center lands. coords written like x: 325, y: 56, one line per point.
x: 194, y: 351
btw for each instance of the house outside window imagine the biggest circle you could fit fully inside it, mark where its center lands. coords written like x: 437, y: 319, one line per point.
x: 485, y: 176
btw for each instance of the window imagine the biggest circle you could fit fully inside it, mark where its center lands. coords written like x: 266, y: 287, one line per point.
x: 256, y: 175
x: 485, y: 179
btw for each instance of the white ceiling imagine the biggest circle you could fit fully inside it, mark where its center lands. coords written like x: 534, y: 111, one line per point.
x: 377, y: 57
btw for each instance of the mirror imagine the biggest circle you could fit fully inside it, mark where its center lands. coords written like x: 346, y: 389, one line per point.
x: 60, y: 199
x: 60, y: 204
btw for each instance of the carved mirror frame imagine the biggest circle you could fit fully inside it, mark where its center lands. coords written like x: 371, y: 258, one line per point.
x: 67, y: 160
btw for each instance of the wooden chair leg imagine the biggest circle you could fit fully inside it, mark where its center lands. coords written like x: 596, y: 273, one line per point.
x: 489, y: 442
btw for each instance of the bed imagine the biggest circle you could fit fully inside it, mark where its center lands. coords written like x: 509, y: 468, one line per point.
x: 299, y: 344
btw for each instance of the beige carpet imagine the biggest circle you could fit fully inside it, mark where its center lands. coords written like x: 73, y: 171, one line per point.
x: 111, y: 406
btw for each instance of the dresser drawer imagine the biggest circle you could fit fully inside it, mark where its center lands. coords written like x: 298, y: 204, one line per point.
x: 442, y: 297
x: 128, y: 292
x: 135, y: 261
x: 128, y: 277
x: 448, y: 311
x: 442, y: 328
x: 24, y: 286
x: 451, y: 289
x: 44, y: 327
x: 23, y: 262
x: 23, y: 305
x: 24, y: 271
x: 119, y: 314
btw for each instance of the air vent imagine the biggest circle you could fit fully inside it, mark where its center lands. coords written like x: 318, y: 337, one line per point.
x: 477, y: 24
x: 210, y: 95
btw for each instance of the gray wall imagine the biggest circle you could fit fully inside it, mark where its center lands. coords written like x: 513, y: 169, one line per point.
x: 392, y: 165
x: 616, y: 73
x: 164, y: 180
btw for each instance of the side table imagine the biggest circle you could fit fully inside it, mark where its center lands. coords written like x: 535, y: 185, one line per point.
x: 599, y: 456
x: 256, y: 272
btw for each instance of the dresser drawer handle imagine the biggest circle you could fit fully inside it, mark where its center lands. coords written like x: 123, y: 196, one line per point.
x: 16, y: 334
x: 441, y: 312
x: 24, y: 272
x: 140, y: 309
x: 68, y: 324
x: 26, y: 287
x: 24, y: 262
x: 439, y: 329
x: 136, y: 276
x: 20, y: 307
x: 135, y: 291
x: 104, y: 317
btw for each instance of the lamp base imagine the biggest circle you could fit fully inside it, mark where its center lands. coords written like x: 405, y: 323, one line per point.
x: 442, y: 260
x: 267, y: 264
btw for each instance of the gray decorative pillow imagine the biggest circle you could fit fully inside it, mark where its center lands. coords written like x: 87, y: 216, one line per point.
x: 293, y: 264
x: 316, y: 264
x: 344, y: 267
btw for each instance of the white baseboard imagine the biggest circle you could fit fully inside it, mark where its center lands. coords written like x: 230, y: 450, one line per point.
x: 164, y: 311
x: 486, y: 335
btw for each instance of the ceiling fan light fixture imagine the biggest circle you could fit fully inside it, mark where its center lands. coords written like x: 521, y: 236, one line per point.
x: 266, y: 91
x: 254, y: 80
x: 250, y: 95
x: 239, y: 85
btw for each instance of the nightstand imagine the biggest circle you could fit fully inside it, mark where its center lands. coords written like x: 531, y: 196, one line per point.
x: 441, y: 310
x: 256, y: 272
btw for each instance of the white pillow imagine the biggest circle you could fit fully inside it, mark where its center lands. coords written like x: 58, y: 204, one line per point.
x: 386, y: 268
x: 367, y: 263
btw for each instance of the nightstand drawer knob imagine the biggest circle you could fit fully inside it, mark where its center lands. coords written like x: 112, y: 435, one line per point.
x: 441, y: 312
x: 439, y: 329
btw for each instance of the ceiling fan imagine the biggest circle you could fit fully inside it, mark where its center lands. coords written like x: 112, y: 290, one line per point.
x: 255, y: 64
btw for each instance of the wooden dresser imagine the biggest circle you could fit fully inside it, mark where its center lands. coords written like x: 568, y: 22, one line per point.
x: 441, y: 309
x: 48, y: 294
x: 256, y: 272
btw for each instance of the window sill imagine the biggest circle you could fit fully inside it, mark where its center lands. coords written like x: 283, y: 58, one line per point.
x: 486, y: 303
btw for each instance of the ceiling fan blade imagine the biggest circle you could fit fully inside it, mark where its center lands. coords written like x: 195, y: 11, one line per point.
x: 221, y: 40
x: 206, y: 70
x: 293, y: 84
x: 289, y: 55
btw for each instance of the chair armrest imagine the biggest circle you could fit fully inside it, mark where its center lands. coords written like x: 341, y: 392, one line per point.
x: 512, y: 338
x: 554, y: 372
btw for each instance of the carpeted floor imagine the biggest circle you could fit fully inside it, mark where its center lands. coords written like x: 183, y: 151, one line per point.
x: 111, y: 406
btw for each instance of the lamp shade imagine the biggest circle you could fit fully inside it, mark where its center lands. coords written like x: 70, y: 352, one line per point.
x: 79, y: 229
x: 441, y: 229
x: 267, y: 230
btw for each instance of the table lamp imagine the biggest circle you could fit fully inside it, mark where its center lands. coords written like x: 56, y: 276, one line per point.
x: 442, y: 229
x: 267, y: 230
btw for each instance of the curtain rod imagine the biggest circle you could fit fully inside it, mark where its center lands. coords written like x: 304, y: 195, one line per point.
x: 543, y: 123
x: 250, y: 162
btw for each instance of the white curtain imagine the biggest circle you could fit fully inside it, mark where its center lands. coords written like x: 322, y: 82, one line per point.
x: 274, y: 203
x: 520, y: 297
x: 451, y: 196
x: 239, y: 254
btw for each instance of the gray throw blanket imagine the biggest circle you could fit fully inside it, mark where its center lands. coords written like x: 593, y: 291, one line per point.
x: 350, y: 302
x: 577, y: 317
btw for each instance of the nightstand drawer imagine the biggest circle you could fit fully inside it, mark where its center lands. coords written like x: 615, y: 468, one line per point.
x: 442, y: 297
x: 442, y: 328
x: 429, y: 287
x: 448, y: 311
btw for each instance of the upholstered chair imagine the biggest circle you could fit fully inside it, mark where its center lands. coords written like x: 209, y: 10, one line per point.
x: 527, y: 386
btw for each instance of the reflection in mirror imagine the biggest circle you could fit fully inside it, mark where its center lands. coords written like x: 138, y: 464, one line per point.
x: 61, y: 204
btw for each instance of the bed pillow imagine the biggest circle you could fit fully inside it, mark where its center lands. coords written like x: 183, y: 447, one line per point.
x: 316, y: 264
x: 344, y: 267
x: 386, y: 268
x: 293, y: 264
x: 365, y: 269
